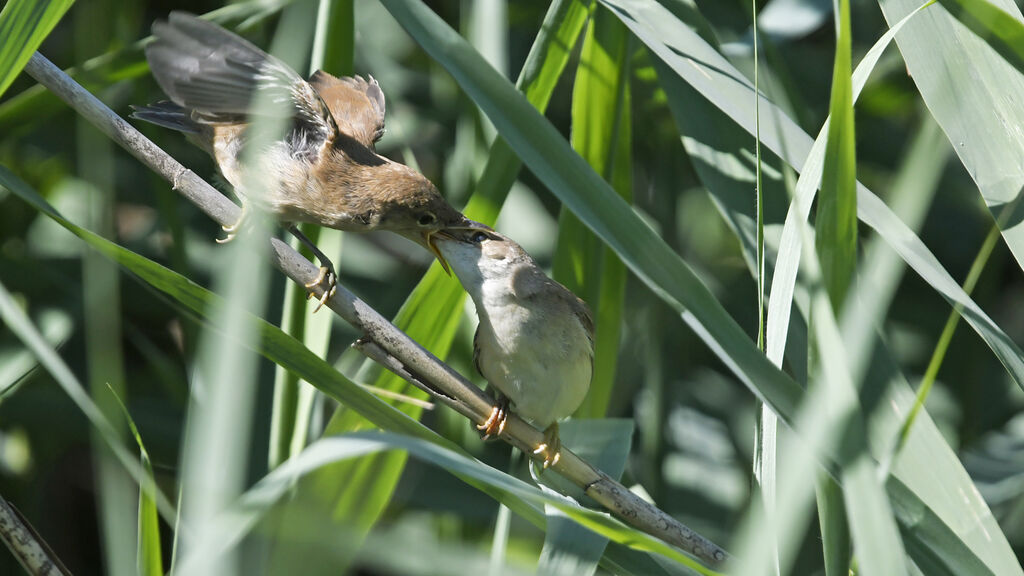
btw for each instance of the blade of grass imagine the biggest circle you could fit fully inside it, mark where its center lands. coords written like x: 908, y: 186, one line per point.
x: 24, y: 24
x: 942, y: 346
x: 56, y: 328
x: 488, y: 31
x: 294, y: 399
x: 333, y: 50
x: 910, y: 197
x: 101, y: 292
x: 835, y: 226
x: 601, y: 92
x: 149, y: 561
x: 767, y: 423
x: 217, y: 447
x: 836, y: 242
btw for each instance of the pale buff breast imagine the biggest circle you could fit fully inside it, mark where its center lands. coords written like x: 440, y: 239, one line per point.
x: 286, y: 188
x: 543, y: 367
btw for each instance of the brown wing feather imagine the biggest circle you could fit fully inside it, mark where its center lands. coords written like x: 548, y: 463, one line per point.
x: 525, y: 289
x: 357, y: 105
x: 476, y: 351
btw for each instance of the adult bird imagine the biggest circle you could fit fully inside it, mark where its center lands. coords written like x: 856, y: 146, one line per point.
x: 323, y: 168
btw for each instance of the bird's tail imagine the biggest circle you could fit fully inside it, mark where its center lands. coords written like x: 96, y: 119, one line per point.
x: 169, y: 115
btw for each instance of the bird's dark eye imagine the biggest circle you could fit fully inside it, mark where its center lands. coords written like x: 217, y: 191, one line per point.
x: 427, y: 219
x: 479, y: 237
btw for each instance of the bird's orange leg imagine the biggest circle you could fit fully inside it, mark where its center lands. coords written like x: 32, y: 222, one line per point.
x: 551, y: 447
x: 495, y: 423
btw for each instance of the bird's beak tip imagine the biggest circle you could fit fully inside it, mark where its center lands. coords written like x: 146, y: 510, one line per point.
x: 428, y: 240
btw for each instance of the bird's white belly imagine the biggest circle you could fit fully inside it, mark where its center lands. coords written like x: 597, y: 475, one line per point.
x: 545, y: 371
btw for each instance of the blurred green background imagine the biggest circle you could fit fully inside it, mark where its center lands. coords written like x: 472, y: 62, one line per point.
x: 693, y: 442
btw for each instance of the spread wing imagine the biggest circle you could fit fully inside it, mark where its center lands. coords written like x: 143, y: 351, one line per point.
x: 355, y: 104
x: 218, y: 77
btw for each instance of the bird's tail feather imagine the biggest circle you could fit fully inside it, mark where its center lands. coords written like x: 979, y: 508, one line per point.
x: 168, y: 115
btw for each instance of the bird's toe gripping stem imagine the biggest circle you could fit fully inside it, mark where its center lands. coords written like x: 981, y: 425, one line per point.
x: 551, y: 447
x: 495, y: 423
x: 327, y: 279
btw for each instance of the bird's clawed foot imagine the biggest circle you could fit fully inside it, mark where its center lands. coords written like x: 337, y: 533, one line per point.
x: 232, y: 230
x: 328, y: 280
x: 551, y: 447
x: 495, y: 423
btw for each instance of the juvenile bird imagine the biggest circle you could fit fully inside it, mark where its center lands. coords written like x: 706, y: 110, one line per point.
x: 324, y: 169
x: 534, y: 343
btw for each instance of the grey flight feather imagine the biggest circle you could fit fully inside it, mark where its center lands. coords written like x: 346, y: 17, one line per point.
x: 218, y: 74
x: 169, y: 115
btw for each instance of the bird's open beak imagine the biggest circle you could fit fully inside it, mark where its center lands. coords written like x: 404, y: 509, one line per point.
x: 428, y: 242
x: 428, y: 238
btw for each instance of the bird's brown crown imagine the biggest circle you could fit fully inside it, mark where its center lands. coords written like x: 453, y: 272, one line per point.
x: 413, y: 202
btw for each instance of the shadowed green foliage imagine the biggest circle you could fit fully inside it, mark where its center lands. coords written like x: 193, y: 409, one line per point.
x: 624, y: 160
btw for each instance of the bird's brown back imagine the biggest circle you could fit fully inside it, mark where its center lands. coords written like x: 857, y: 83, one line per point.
x: 356, y: 105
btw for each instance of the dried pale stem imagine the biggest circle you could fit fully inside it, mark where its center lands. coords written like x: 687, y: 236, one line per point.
x: 382, y: 341
x: 31, y: 551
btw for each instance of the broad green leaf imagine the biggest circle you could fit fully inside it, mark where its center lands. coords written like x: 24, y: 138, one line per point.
x: 835, y: 227
x: 24, y: 24
x: 1002, y: 29
x: 236, y: 522
x: 973, y: 92
x: 702, y: 121
x: 602, y: 134
x: 431, y: 314
x: 568, y: 176
x: 570, y: 549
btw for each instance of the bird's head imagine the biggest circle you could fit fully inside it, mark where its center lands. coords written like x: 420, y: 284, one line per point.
x: 419, y: 212
x: 477, y: 253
